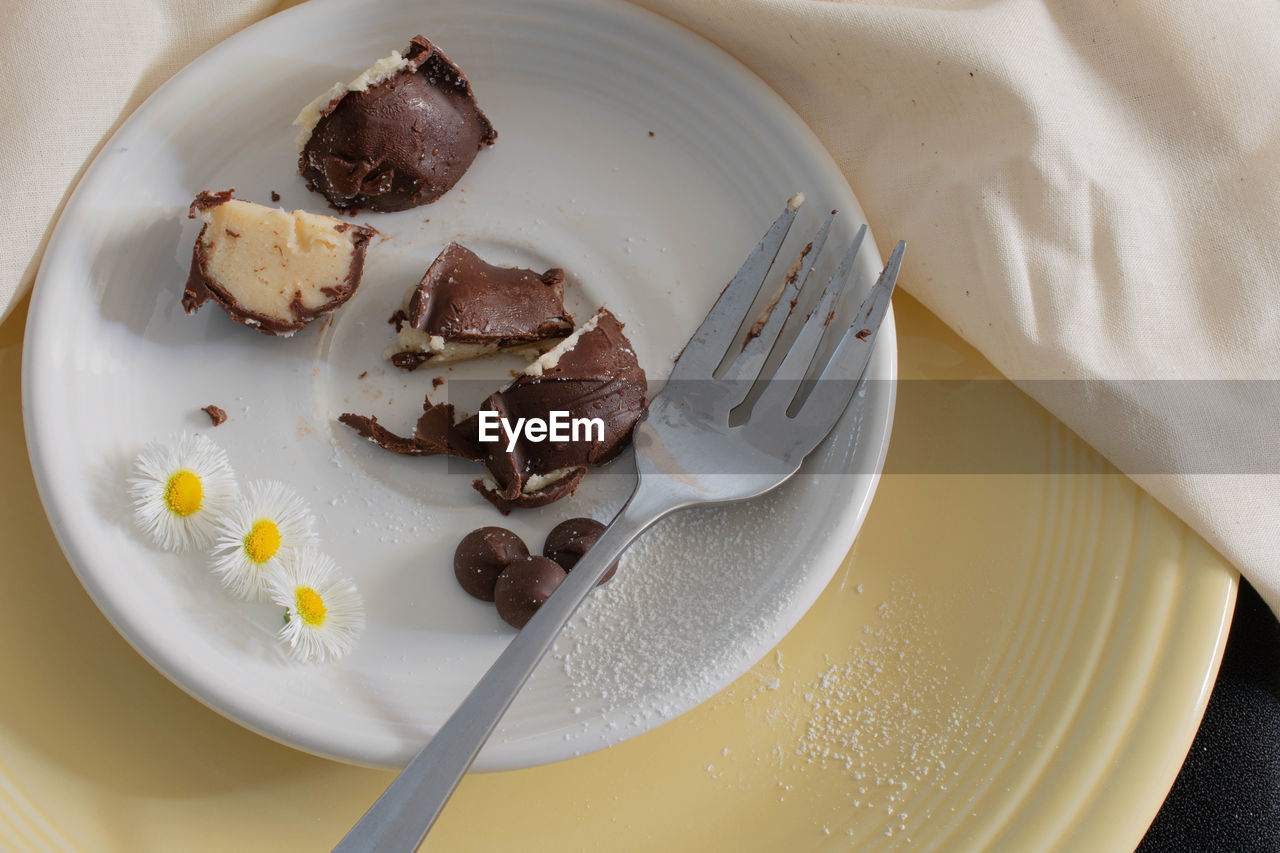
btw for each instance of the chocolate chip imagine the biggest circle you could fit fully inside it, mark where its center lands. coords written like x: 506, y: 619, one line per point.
x: 569, y: 540
x: 482, y: 555
x: 524, y: 586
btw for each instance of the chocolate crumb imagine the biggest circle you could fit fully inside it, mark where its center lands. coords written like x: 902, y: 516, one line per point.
x: 363, y: 374
x: 275, y: 196
x: 863, y: 334
x: 651, y: 133
x: 217, y: 416
x: 437, y: 382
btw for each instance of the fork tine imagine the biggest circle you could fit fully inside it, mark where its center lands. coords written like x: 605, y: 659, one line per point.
x: 841, y: 376
x: 704, y: 351
x: 782, y: 387
x: 746, y: 367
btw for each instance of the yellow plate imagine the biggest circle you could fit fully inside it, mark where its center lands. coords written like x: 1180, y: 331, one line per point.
x: 1003, y: 662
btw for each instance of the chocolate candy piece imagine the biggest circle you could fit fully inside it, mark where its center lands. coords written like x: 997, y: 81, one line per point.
x: 466, y: 308
x: 270, y: 269
x: 570, y: 539
x: 481, y: 557
x: 524, y: 586
x: 593, y: 373
x: 399, y: 135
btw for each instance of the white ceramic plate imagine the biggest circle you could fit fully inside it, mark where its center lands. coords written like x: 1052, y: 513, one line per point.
x: 631, y: 153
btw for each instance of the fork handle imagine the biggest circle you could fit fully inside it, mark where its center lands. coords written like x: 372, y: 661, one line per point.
x: 400, y: 818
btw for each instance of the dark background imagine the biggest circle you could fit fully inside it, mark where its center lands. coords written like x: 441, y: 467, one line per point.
x: 1227, y: 795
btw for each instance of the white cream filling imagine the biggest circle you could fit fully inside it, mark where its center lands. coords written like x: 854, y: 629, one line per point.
x: 538, y: 482
x: 436, y: 348
x: 533, y: 485
x: 265, y: 257
x: 371, y: 76
x: 409, y: 339
x: 551, y: 358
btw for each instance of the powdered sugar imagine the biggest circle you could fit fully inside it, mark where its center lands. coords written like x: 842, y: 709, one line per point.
x: 681, y: 618
x: 882, y: 722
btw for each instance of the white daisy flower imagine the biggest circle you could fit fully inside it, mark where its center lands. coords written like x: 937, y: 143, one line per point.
x: 180, y: 487
x: 268, y: 520
x: 324, y: 614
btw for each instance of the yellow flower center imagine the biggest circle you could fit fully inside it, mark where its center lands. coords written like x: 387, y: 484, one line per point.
x: 263, y: 540
x: 183, y: 494
x: 310, y: 606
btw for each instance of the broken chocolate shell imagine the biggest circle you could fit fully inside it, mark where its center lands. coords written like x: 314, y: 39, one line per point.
x: 466, y: 308
x: 593, y: 373
x: 435, y: 433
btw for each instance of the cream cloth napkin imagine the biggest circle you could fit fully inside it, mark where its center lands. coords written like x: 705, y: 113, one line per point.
x: 1090, y: 190
x: 70, y: 72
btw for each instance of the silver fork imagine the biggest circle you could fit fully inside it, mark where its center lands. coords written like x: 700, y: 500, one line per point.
x: 686, y: 453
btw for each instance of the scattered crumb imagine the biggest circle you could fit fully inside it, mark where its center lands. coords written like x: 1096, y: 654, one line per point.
x: 363, y: 374
x: 437, y: 382
x: 651, y: 133
x: 275, y: 196
x: 217, y: 416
